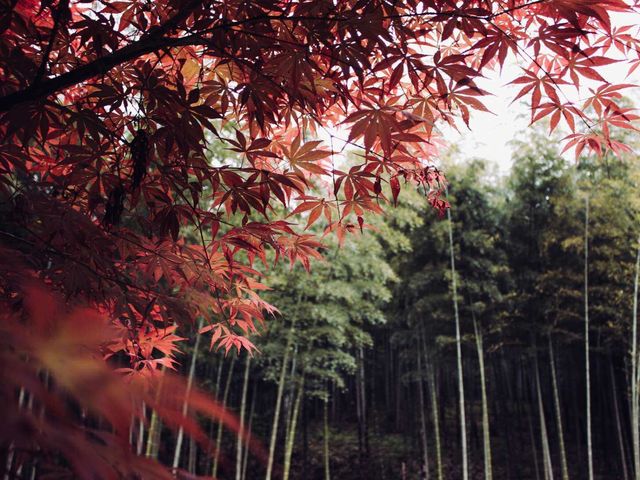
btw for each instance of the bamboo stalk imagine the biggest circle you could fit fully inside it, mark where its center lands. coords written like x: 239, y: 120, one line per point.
x: 423, y: 421
x: 185, y: 403
x: 586, y: 338
x: 454, y: 291
x: 225, y: 396
x: 635, y: 374
x: 276, y: 415
x: 558, y: 412
x: 291, y: 430
x: 243, y: 403
x: 486, y: 433
x: 325, y: 439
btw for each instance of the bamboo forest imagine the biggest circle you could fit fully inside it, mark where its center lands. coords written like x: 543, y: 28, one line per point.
x: 498, y: 341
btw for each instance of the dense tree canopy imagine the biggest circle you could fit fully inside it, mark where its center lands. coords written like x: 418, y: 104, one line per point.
x: 112, y: 193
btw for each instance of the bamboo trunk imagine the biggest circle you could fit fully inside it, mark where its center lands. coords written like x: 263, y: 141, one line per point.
x: 291, y: 430
x: 243, y: 403
x: 325, y: 439
x: 486, y: 433
x: 155, y: 426
x: 635, y: 374
x: 225, y: 396
x: 586, y: 338
x: 141, y: 420
x: 185, y: 404
x: 245, y: 460
x: 276, y: 415
x: 423, y: 421
x: 434, y: 410
x: 454, y: 290
x: 616, y: 411
x: 193, y: 456
x: 534, y: 450
x: 363, y: 401
x: 10, y: 455
x: 558, y: 412
x: 216, y: 392
x: 546, y: 451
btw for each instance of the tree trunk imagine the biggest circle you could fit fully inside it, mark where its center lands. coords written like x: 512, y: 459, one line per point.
x: 193, y: 456
x: 155, y: 427
x: 586, y: 338
x: 486, y: 433
x: 153, y: 437
x: 325, y: 419
x: 434, y: 410
x: 252, y: 410
x: 185, y: 404
x: 556, y: 403
x: 534, y: 450
x: 216, y: 392
x: 423, y: 420
x: 454, y: 291
x: 276, y: 415
x: 225, y: 396
x: 140, y: 440
x: 10, y: 455
x: 616, y: 411
x: 363, y: 401
x: 290, y: 391
x: 291, y: 429
x: 635, y: 374
x: 546, y: 451
x: 243, y: 404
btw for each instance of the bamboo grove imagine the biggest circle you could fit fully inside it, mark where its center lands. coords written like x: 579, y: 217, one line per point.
x: 378, y: 351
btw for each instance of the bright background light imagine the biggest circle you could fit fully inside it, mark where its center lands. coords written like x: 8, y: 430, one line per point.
x: 491, y: 133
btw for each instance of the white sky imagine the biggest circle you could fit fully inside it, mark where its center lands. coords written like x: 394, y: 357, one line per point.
x: 491, y: 133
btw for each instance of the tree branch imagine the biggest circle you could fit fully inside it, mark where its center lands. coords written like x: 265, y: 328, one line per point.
x: 154, y: 40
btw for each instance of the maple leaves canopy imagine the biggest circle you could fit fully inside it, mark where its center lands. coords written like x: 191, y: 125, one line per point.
x: 110, y: 110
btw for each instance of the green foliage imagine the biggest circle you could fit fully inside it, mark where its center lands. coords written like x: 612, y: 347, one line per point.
x: 327, y: 312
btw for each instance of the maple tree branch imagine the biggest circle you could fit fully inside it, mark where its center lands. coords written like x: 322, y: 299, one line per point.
x: 155, y: 40
x: 123, y: 284
x: 60, y: 15
x: 102, y: 65
x: 516, y: 8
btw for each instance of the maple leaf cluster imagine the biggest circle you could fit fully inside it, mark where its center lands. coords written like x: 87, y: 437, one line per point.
x: 52, y: 352
x: 109, y: 110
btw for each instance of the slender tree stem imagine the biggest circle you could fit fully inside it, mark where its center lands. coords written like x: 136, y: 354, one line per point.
x: 616, y: 411
x: 558, y: 412
x: 486, y: 432
x: 245, y: 460
x: 435, y: 413
x: 586, y: 337
x: 155, y: 426
x: 225, y: 396
x: 325, y: 421
x: 423, y: 420
x: 546, y: 451
x: 276, y: 415
x: 635, y: 414
x: 185, y: 404
x: 454, y: 291
x: 291, y: 430
x: 243, y: 403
